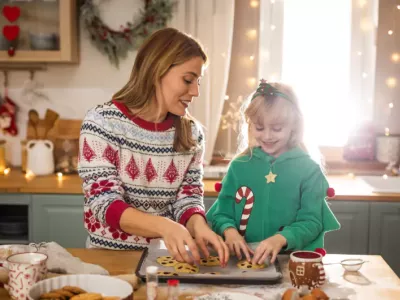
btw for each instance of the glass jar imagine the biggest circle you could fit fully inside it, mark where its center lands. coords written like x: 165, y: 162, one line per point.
x: 66, y: 155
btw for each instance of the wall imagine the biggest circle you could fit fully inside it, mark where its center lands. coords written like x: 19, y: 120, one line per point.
x: 385, y: 68
x: 73, y: 89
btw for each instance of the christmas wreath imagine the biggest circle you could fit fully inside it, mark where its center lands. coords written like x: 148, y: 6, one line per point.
x: 116, y: 43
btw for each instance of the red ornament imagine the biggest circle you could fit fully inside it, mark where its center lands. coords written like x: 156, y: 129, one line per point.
x: 11, y: 32
x: 321, y: 251
x: 11, y: 13
x: 330, y: 192
x: 218, y: 186
x: 11, y: 51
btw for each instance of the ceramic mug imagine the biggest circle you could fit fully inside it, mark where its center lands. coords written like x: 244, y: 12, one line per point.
x: 24, y: 270
x: 306, y: 270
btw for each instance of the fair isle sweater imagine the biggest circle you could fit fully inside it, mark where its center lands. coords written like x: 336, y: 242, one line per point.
x: 125, y: 161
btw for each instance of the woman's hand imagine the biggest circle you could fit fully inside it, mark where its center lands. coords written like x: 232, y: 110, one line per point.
x: 269, y: 247
x: 237, y: 244
x: 176, y: 238
x: 204, y: 236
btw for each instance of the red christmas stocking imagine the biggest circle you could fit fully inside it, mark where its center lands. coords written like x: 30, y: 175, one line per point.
x: 8, y: 111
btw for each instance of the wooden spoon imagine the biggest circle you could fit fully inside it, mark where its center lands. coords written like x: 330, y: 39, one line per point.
x: 49, y: 120
x: 34, y: 121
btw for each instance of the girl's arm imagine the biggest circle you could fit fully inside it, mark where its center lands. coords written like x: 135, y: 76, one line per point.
x: 308, y: 224
x: 222, y: 213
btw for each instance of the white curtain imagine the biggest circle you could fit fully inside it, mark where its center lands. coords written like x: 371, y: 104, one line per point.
x: 211, y: 22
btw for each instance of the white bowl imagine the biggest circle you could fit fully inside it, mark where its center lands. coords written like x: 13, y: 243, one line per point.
x: 105, y: 285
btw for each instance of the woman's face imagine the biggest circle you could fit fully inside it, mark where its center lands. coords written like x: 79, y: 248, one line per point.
x: 179, y: 86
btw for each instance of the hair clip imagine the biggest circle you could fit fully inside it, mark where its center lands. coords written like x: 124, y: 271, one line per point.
x: 265, y: 89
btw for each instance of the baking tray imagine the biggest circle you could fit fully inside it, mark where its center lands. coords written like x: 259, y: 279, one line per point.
x: 231, y: 274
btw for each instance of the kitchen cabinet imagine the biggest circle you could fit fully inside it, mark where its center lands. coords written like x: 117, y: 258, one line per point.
x: 352, y: 238
x: 47, y: 32
x: 384, y: 230
x: 58, y: 218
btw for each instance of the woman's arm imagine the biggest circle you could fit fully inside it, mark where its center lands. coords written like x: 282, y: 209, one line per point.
x: 98, y: 167
x: 137, y: 222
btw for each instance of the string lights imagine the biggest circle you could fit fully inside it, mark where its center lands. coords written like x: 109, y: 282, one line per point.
x: 391, y: 81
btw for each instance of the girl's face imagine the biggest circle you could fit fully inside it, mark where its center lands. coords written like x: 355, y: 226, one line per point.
x: 272, y: 128
x: 179, y: 86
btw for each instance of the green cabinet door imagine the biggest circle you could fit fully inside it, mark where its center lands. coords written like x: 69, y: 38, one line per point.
x: 385, y: 232
x: 58, y: 218
x: 352, y: 237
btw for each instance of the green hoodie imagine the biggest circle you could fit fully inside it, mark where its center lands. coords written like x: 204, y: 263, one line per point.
x: 294, y: 205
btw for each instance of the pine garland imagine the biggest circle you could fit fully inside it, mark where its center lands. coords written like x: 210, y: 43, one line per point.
x: 116, y: 43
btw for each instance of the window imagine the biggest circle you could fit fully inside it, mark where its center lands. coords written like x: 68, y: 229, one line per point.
x: 300, y: 270
x: 325, y: 49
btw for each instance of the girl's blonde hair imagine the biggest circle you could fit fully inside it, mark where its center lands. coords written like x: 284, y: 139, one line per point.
x: 163, y: 50
x: 285, y: 110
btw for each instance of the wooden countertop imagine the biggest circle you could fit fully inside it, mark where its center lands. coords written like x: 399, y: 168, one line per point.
x: 346, y: 187
x: 374, y: 281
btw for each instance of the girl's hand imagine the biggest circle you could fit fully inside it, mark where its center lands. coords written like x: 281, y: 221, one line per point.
x: 236, y: 243
x: 269, y: 247
x: 176, y: 237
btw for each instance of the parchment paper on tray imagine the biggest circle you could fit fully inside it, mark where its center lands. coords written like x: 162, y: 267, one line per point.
x: 231, y: 274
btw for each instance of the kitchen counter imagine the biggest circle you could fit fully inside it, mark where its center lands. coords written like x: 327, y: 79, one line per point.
x: 374, y: 281
x: 346, y: 187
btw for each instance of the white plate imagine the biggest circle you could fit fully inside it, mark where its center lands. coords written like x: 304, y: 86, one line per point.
x: 105, y: 285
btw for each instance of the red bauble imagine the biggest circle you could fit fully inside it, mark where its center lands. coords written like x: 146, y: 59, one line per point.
x: 330, y: 192
x: 11, y: 51
x: 218, y: 186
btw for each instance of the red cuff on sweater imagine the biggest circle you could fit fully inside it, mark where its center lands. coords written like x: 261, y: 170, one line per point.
x: 114, y: 212
x: 190, y: 212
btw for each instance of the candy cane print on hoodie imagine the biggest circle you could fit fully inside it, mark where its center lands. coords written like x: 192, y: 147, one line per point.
x: 245, y: 192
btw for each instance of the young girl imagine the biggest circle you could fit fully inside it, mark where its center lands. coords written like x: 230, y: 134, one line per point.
x: 274, y: 192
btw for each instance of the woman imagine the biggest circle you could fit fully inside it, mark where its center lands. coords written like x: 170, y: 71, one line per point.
x: 141, y: 156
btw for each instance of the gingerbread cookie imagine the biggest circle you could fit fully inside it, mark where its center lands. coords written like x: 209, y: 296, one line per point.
x: 244, y: 264
x: 166, y: 273
x: 186, y: 268
x: 210, y: 261
x: 167, y: 261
